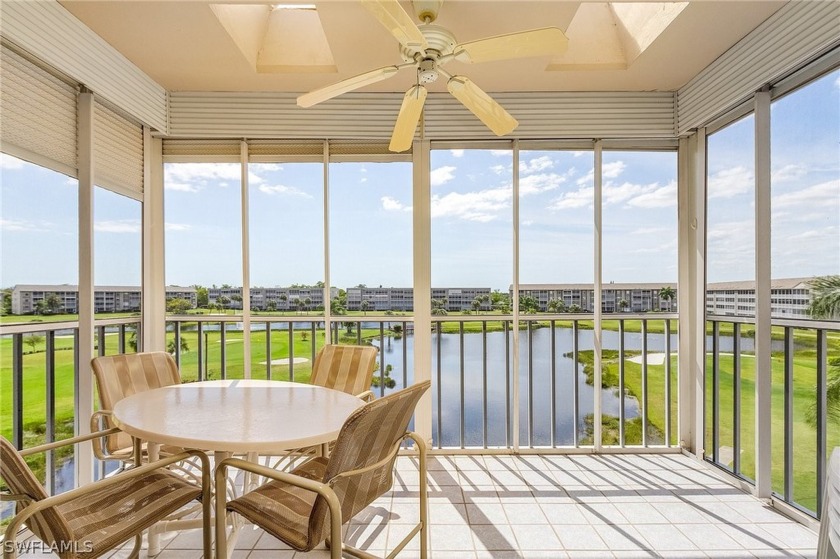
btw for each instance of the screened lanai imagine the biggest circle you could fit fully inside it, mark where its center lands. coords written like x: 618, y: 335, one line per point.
x: 622, y: 303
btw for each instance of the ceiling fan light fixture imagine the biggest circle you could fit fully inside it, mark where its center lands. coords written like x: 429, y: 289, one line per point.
x: 427, y: 71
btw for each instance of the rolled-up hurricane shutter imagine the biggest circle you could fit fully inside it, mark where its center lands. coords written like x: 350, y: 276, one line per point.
x: 118, y: 153
x: 38, y: 114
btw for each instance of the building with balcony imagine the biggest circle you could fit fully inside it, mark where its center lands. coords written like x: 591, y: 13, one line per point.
x: 107, y: 298
x: 452, y: 299
x: 628, y: 141
x: 791, y: 298
x: 615, y: 297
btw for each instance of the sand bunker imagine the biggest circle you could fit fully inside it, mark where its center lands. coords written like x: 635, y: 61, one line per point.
x: 285, y: 361
x: 652, y: 359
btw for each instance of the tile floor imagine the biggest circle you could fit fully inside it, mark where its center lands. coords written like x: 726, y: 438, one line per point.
x: 554, y: 507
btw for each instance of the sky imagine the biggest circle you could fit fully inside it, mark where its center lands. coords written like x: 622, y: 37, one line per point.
x: 370, y: 215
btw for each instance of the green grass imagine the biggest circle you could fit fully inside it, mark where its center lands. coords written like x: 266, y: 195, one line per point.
x: 804, y: 393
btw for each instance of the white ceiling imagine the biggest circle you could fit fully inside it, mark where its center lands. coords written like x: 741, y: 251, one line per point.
x: 184, y: 47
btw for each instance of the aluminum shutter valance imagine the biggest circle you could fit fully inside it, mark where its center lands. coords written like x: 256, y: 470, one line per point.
x: 38, y: 114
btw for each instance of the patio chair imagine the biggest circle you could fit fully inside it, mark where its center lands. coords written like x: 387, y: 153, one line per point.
x: 828, y: 545
x: 348, y: 368
x: 118, y: 376
x: 91, y: 520
x: 308, y: 505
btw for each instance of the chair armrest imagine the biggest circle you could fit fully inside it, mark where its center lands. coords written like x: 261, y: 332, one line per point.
x: 97, y: 423
x: 67, y: 442
x: 367, y: 396
x: 321, y: 489
x: 17, y: 521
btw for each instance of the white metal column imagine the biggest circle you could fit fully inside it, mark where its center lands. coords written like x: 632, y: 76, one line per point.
x: 691, y: 292
x: 763, y: 371
x: 84, y: 376
x: 515, y: 411
x: 246, y: 264
x: 598, y: 280
x: 422, y: 216
x: 327, y: 284
x: 154, y: 279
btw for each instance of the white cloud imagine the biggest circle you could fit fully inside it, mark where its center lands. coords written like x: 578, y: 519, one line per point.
x: 581, y: 198
x: 442, y: 175
x: 527, y: 222
x: 615, y: 194
x: 181, y: 186
x: 282, y: 189
x: 536, y: 165
x: 729, y: 183
x: 579, y: 153
x: 658, y: 197
x: 482, y: 206
x: 193, y: 177
x: 535, y: 184
x: 664, y: 247
x: 177, y: 226
x: 9, y: 163
x: 499, y: 169
x: 457, y: 152
x: 818, y: 194
x: 24, y: 225
x: 117, y: 226
x: 587, y: 179
x: 612, y: 170
x: 362, y: 180
x: 788, y: 173
x: 394, y: 205
x: 500, y: 152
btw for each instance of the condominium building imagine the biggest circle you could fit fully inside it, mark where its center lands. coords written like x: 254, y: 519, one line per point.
x: 453, y: 299
x: 615, y: 297
x: 789, y: 298
x: 272, y: 298
x: 106, y: 298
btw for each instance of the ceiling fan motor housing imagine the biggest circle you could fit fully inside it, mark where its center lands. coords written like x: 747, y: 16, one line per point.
x: 427, y: 71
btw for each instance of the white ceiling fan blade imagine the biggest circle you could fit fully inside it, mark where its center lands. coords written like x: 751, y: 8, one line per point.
x: 408, y: 118
x: 336, y: 89
x: 397, y: 22
x: 493, y: 115
x: 537, y: 42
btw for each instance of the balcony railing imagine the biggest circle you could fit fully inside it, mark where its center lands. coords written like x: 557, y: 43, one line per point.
x: 802, y: 353
x: 473, y: 371
x: 39, y: 406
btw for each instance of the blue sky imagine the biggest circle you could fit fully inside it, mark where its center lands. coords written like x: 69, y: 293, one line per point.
x: 370, y: 213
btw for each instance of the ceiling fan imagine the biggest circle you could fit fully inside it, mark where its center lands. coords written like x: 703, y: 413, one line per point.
x: 428, y: 48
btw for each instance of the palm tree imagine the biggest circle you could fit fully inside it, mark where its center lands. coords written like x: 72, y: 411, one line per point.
x: 623, y: 304
x: 825, y: 297
x: 825, y: 303
x: 668, y: 294
x: 556, y: 305
x: 365, y: 307
x: 307, y: 302
x: 476, y: 304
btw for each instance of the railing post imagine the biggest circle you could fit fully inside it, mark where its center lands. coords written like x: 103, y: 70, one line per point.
x: 50, y: 411
x: 788, y: 425
x: 822, y: 415
x: 17, y: 390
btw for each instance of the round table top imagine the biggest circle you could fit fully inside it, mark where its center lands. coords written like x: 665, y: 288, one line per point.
x: 236, y: 415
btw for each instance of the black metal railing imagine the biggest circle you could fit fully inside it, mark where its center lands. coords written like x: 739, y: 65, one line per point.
x: 803, y: 352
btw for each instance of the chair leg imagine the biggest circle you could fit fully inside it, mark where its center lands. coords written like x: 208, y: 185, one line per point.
x: 221, y: 513
x: 424, y: 500
x: 135, y: 551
